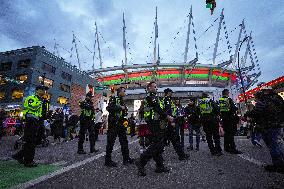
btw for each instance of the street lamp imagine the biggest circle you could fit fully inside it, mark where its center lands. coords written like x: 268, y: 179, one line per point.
x: 241, y: 77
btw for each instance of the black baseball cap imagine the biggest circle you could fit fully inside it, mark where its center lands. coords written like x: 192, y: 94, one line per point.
x: 167, y: 90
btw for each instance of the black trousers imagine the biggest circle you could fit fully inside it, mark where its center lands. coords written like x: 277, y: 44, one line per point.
x: 156, y: 147
x: 115, y: 129
x: 174, y: 138
x: 230, y: 129
x: 1, y: 128
x: 30, y: 135
x: 97, y: 128
x: 180, y: 130
x: 86, y: 124
x: 132, y: 130
x: 41, y: 132
x: 211, y: 129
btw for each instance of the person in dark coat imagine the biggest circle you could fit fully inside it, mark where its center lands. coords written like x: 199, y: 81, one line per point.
x: 132, y: 125
x: 193, y: 116
x: 269, y: 116
x: 57, y: 118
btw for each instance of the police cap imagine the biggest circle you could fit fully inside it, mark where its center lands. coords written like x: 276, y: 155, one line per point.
x: 225, y: 91
x: 204, y: 95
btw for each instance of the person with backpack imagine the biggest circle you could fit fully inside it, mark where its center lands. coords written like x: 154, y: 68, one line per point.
x: 230, y: 119
x: 209, y: 119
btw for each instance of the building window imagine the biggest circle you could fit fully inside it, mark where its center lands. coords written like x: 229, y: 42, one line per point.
x: 24, y: 63
x: 48, y: 68
x: 2, y: 95
x: 22, y: 78
x: 47, y: 82
x: 5, y: 66
x: 65, y: 88
x: 62, y: 100
x: 66, y: 76
x: 17, y: 93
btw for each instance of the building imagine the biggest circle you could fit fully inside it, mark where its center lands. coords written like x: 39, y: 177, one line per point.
x: 276, y: 84
x: 22, y: 70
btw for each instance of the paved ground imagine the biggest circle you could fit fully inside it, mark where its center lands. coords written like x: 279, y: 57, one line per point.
x: 201, y: 171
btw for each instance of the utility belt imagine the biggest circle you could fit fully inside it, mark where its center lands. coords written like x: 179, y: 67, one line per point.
x: 32, y: 116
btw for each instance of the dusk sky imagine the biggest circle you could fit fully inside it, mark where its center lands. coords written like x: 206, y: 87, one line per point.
x: 25, y: 23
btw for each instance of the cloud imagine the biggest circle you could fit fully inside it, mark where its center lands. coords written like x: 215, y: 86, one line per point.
x: 27, y: 23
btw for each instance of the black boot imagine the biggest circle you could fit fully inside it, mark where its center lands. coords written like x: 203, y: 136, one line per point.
x: 81, y: 151
x: 128, y: 161
x: 93, y: 150
x: 31, y: 164
x: 18, y: 158
x: 190, y: 147
x: 141, y: 169
x: 197, y: 148
x: 110, y: 163
x: 235, y: 151
x: 184, y: 157
x: 162, y: 169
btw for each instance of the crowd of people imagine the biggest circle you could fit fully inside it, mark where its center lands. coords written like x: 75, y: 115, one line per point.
x: 161, y: 122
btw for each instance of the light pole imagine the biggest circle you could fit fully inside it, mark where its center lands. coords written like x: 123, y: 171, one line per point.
x: 240, y: 73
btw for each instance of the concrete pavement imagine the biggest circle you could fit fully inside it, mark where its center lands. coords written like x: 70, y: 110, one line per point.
x: 201, y: 171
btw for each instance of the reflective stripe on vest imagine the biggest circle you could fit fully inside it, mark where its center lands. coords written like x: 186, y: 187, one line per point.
x: 224, y: 105
x: 149, y: 113
x: 33, y: 106
x: 117, y: 102
x: 87, y: 113
x: 205, y: 106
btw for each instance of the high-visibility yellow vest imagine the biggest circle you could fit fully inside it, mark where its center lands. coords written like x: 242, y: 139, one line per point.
x: 205, y: 106
x: 149, y: 113
x: 224, y: 104
x: 32, y: 106
x: 87, y: 112
x: 173, y: 107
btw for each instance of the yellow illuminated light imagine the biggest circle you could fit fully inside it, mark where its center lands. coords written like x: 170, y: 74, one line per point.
x: 62, y: 100
x: 281, y: 94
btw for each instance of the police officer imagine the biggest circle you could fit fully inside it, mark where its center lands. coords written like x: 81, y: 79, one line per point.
x: 230, y: 120
x: 153, y: 115
x: 171, y: 135
x: 32, y: 114
x: 87, y: 123
x: 209, y: 120
x: 116, y: 120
